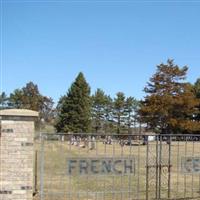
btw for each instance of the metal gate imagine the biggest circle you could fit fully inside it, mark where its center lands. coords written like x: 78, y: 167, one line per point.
x: 158, y: 168
x: 117, y: 167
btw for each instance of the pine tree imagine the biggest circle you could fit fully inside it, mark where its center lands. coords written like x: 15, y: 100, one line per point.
x: 108, y: 125
x: 29, y: 97
x: 119, y: 110
x: 4, y: 101
x: 197, y: 94
x: 75, y: 108
x: 99, y: 100
x: 131, y: 106
x: 197, y: 88
x: 16, y: 99
x: 170, y: 103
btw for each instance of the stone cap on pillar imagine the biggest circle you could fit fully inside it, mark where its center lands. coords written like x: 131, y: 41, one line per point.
x: 18, y: 114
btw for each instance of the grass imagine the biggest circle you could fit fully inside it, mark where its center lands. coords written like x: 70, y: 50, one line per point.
x: 58, y: 185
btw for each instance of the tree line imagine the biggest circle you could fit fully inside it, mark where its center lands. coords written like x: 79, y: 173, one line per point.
x: 78, y: 111
x: 171, y: 105
x: 29, y: 97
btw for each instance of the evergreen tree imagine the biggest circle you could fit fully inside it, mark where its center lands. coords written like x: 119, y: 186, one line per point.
x: 119, y: 110
x: 29, y: 97
x: 197, y: 88
x: 197, y: 94
x: 75, y: 108
x: 47, y: 111
x: 131, y: 106
x: 99, y: 101
x: 108, y: 124
x: 16, y: 99
x: 4, y: 101
x: 170, y: 103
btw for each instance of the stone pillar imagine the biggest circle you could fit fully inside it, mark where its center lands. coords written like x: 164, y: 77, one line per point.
x: 16, y: 154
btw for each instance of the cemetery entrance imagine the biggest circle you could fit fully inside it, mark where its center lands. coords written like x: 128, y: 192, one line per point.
x: 117, y: 167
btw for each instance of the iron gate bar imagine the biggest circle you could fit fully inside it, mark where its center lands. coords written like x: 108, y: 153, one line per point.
x: 199, y: 174
x: 185, y: 185
x: 169, y: 169
x: 177, y: 180
x: 160, y: 167
x: 138, y: 180
x: 147, y: 171
x: 192, y: 174
x: 129, y: 185
x: 104, y: 176
x: 157, y: 158
x: 42, y: 168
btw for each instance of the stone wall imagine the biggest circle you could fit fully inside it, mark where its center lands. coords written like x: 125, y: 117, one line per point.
x: 16, y: 154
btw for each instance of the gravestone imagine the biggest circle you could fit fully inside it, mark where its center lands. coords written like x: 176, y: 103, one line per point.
x: 92, y: 142
x: 16, y: 154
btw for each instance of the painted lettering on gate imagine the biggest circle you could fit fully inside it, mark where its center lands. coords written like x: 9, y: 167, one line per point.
x: 100, y: 166
x: 190, y: 165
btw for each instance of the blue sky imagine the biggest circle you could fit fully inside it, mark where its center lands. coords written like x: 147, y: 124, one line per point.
x: 116, y: 44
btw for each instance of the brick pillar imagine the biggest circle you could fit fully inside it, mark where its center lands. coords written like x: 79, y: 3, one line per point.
x: 16, y: 154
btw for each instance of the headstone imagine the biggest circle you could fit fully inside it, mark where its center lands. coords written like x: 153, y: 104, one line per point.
x: 91, y: 143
